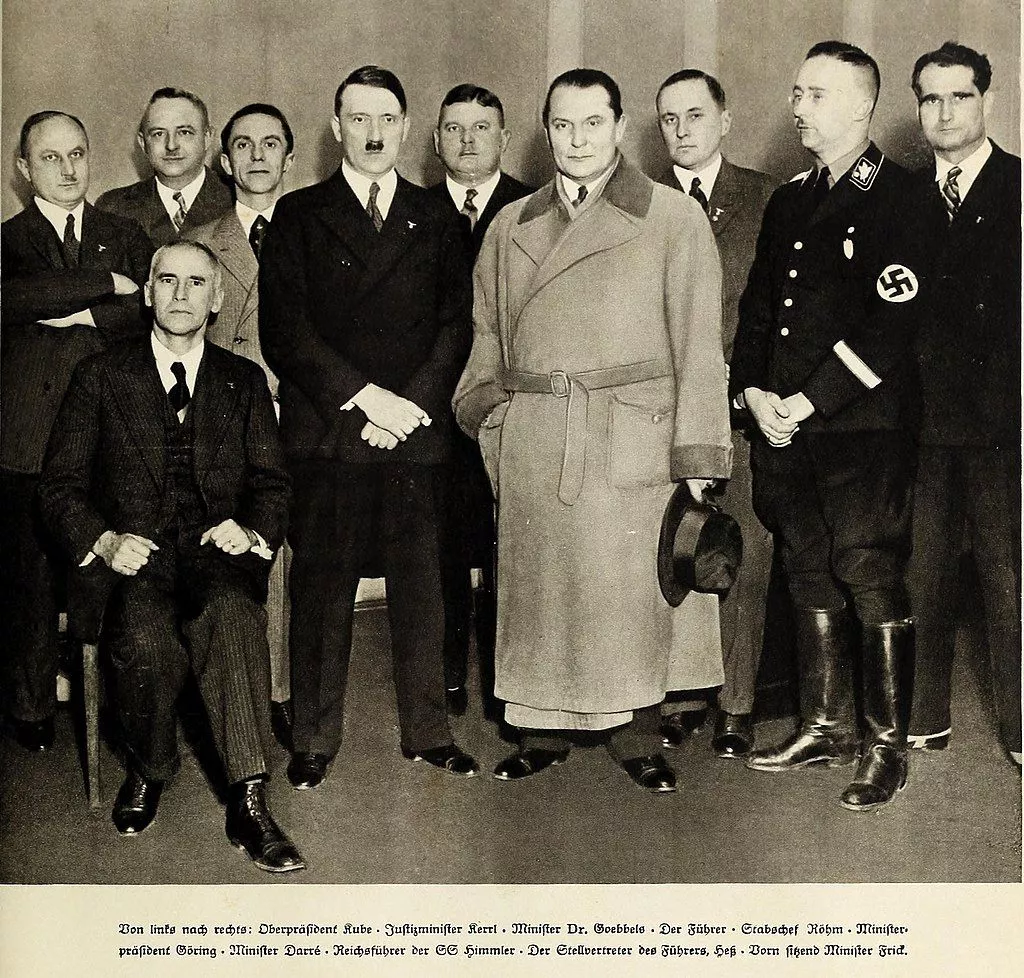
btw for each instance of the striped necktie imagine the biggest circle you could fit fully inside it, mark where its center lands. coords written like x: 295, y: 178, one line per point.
x: 182, y: 212
x: 469, y: 208
x: 951, y: 192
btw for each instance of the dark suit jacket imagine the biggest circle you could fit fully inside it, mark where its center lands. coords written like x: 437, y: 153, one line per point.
x: 819, y: 279
x: 142, y: 203
x: 968, y: 346
x: 36, y: 360
x: 342, y: 306
x: 104, y: 466
x: 735, y: 209
x: 508, y: 190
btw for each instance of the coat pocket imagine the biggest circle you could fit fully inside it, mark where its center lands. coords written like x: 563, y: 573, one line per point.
x: 639, y: 443
x: 489, y: 439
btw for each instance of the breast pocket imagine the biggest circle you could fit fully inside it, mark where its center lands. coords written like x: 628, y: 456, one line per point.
x: 639, y: 443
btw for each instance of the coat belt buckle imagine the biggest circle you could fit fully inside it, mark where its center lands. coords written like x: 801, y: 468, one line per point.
x: 560, y: 383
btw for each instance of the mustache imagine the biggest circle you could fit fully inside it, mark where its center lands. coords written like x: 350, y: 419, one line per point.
x: 374, y: 145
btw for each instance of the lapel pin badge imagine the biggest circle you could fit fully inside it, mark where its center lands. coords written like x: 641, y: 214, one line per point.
x: 102, y: 247
x: 411, y: 224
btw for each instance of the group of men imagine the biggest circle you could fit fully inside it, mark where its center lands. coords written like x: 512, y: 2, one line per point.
x: 801, y: 355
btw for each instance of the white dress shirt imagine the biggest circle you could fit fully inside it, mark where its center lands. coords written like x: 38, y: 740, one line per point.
x: 388, y: 184
x: 969, y: 168
x: 484, y: 191
x: 247, y: 215
x: 570, y: 189
x: 58, y: 217
x: 707, y: 176
x: 189, y: 192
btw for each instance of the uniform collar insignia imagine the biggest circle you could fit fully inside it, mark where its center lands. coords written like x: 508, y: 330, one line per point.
x: 863, y: 173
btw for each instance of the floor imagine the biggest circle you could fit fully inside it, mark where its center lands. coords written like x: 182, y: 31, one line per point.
x: 381, y: 819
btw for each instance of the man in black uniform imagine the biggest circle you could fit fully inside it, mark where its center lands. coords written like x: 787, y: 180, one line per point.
x: 823, y: 361
x: 969, y: 358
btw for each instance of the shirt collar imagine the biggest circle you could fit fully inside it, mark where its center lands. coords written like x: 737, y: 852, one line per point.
x: 570, y: 189
x: 388, y: 184
x: 484, y: 191
x: 58, y: 216
x: 707, y: 175
x: 189, y: 192
x: 164, y: 358
x: 970, y: 167
x: 247, y: 215
x: 837, y: 168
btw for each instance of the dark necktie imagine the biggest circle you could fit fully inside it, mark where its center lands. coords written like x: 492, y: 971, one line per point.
x: 181, y: 213
x: 256, y: 232
x: 469, y: 208
x: 580, y: 197
x: 951, y: 192
x: 71, y: 248
x: 819, y: 190
x: 372, y: 211
x: 698, y: 195
x: 179, y: 395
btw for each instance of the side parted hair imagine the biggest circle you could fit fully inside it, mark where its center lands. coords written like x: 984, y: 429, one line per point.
x: 375, y: 77
x: 586, y: 78
x: 695, y: 74
x: 473, y: 93
x: 195, y: 246
x: 852, y: 55
x: 38, y: 118
x: 161, y: 93
x: 257, y: 108
x: 951, y: 55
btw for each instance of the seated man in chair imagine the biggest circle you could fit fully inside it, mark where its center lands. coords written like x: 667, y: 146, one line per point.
x: 163, y: 481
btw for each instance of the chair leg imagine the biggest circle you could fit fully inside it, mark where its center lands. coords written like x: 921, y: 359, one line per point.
x: 91, y: 695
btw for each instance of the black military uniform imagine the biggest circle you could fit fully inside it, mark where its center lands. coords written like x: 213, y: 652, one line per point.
x: 827, y: 311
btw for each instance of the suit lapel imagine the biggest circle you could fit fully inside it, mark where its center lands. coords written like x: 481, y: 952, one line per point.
x: 726, y: 197
x: 984, y: 196
x: 99, y: 240
x: 214, y: 404
x: 44, y: 239
x: 403, y: 225
x: 140, y: 397
x: 846, y: 190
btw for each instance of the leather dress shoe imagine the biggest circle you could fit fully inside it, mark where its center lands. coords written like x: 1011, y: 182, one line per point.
x: 281, y: 722
x: 734, y: 734
x: 526, y: 763
x: 802, y: 749
x: 677, y: 728
x: 136, y: 804
x: 881, y: 774
x: 33, y: 735
x: 929, y: 742
x: 306, y: 771
x: 456, y: 700
x: 251, y: 828
x: 651, y: 773
x: 449, y: 758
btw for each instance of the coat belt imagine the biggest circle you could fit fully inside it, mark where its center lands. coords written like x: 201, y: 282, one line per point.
x: 576, y: 387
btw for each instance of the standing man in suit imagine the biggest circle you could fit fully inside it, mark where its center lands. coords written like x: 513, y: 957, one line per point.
x: 164, y: 482
x: 694, y: 119
x: 595, y: 381
x: 257, y: 150
x: 469, y: 139
x: 823, y: 360
x: 69, y: 289
x: 365, y: 306
x: 968, y: 353
x: 183, y: 192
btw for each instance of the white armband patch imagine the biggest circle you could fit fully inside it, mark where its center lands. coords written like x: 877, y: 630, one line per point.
x: 897, y: 283
x: 856, y: 366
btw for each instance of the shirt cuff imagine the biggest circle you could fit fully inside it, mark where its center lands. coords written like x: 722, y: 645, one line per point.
x: 261, y: 549
x: 82, y: 318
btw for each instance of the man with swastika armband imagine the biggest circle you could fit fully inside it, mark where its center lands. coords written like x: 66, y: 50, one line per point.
x: 823, y: 360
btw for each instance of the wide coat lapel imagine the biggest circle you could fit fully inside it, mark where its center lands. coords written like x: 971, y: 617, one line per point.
x: 232, y: 248
x: 214, y: 405
x: 44, y: 239
x: 140, y: 397
x: 726, y: 198
x: 848, y: 188
x: 987, y: 195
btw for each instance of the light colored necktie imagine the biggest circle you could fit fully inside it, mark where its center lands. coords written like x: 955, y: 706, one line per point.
x: 372, y: 211
x: 951, y: 192
x: 179, y: 217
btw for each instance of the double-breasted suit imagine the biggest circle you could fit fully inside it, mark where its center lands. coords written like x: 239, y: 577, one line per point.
x: 968, y: 355
x: 596, y: 379
x: 343, y: 305
x: 735, y: 209
x: 36, y: 362
x: 141, y: 202
x: 120, y: 460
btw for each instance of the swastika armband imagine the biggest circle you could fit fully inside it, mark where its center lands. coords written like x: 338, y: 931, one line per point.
x: 897, y: 283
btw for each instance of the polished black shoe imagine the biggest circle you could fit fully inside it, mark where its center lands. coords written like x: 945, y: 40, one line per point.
x: 456, y: 700
x: 136, y: 804
x: 33, y: 735
x: 734, y: 734
x: 651, y: 773
x: 250, y: 826
x: 928, y: 742
x: 449, y: 758
x: 526, y: 763
x: 306, y: 771
x: 881, y: 775
x: 281, y: 722
x: 803, y: 749
x: 677, y: 728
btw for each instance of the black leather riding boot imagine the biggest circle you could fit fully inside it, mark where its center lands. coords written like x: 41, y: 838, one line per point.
x: 826, y: 734
x: 888, y: 677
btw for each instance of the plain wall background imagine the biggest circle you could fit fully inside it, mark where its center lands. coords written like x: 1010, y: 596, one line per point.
x: 101, y: 59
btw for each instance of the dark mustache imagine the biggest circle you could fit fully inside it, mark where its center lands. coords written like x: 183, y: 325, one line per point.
x: 374, y: 145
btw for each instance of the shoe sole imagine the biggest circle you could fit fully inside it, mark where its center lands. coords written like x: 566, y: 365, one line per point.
x: 263, y: 866
x: 874, y: 806
x: 532, y: 774
x: 827, y: 761
x: 447, y: 770
x: 131, y: 833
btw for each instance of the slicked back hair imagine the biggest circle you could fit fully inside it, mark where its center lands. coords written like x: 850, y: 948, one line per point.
x: 176, y: 93
x: 695, y: 74
x: 473, y: 93
x: 195, y: 246
x: 375, y: 77
x: 951, y: 55
x: 257, y: 108
x: 585, y: 78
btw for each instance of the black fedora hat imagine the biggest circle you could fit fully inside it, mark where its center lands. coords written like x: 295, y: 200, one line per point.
x: 700, y: 548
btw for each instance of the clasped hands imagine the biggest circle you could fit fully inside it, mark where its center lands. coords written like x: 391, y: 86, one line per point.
x: 390, y: 417
x: 128, y: 553
x: 778, y: 418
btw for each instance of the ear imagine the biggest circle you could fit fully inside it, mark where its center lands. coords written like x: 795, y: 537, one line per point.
x: 336, y: 128
x: 726, y: 122
x: 405, y: 128
x: 24, y: 170
x: 288, y: 160
x: 437, y: 143
x: 147, y: 293
x: 218, y: 299
x: 620, y: 128
x: 225, y: 164
x: 988, y: 101
x: 863, y: 109
x: 141, y: 140
x: 506, y: 135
